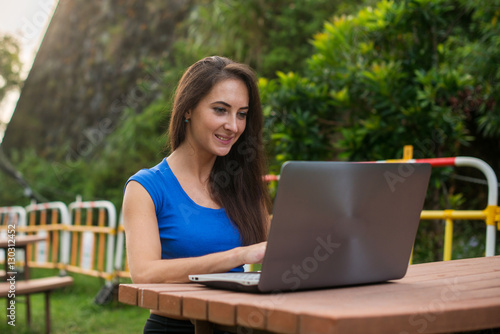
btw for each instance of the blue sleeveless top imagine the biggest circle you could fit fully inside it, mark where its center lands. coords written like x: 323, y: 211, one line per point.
x: 186, y: 228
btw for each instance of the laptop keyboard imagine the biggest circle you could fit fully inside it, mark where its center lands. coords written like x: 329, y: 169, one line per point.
x: 249, y: 276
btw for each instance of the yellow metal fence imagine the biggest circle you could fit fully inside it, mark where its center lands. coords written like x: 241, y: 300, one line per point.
x: 79, y: 238
x: 490, y: 215
x: 92, y: 231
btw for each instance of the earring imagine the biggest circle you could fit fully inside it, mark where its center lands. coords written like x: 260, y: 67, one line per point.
x: 186, y: 120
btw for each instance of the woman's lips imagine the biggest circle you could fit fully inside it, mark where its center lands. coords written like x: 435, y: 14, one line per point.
x: 224, y: 139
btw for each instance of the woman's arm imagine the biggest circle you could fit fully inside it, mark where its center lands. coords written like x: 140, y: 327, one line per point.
x: 144, y: 247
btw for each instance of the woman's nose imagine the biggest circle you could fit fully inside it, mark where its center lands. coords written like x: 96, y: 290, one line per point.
x: 231, y: 123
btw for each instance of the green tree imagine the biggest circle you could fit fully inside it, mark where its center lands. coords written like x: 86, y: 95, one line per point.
x: 10, y: 65
x: 10, y: 80
x: 269, y: 35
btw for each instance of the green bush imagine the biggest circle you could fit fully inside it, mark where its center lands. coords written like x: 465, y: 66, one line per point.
x: 384, y: 78
x: 294, y: 112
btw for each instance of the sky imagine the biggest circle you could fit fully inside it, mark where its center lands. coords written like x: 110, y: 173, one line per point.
x: 27, y: 21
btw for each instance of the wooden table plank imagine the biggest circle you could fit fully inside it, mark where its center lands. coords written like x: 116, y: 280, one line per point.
x: 172, y: 303
x: 149, y: 297
x: 282, y: 322
x: 427, y: 271
x: 254, y: 313
x: 143, y: 295
x: 127, y: 293
x: 195, y: 306
x: 223, y: 309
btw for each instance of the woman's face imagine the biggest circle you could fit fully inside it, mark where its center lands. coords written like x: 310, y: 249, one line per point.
x: 219, y: 119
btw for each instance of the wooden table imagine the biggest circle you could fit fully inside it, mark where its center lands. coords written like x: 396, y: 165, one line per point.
x: 18, y: 242
x: 438, y: 297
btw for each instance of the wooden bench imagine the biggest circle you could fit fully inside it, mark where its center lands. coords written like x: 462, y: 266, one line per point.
x: 31, y: 286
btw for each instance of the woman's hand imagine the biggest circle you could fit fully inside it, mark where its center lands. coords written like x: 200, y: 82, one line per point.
x: 253, y: 253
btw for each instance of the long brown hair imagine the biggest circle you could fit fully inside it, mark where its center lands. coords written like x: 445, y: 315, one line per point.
x: 236, y: 178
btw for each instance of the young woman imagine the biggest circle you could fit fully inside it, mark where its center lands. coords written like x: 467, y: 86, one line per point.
x: 203, y: 209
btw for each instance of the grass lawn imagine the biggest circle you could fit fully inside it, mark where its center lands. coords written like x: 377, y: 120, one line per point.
x: 73, y: 310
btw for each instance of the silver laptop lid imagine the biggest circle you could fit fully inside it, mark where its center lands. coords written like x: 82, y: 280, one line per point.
x: 341, y: 223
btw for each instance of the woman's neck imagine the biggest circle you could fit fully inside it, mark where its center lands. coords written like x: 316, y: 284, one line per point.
x: 188, y: 163
x: 193, y: 172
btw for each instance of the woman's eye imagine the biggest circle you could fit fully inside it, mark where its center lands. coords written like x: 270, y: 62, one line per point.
x: 242, y: 115
x: 219, y: 110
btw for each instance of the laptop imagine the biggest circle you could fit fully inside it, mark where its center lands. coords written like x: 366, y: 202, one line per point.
x: 336, y: 224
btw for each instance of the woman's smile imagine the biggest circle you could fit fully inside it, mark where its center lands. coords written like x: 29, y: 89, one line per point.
x: 223, y: 139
